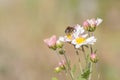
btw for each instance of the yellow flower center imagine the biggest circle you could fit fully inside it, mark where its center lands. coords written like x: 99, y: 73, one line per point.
x: 80, y: 40
x: 69, y: 36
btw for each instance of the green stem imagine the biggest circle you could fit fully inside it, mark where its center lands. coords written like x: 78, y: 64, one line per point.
x: 85, y: 56
x: 91, y: 50
x: 89, y: 78
x: 98, y: 74
x: 58, y: 56
x: 90, y: 67
x: 69, y: 68
x: 66, y: 75
x: 79, y: 61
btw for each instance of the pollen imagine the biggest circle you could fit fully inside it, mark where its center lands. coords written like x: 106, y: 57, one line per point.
x: 80, y: 40
x: 69, y: 36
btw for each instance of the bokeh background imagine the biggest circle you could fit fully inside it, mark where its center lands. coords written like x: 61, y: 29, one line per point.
x: 25, y: 23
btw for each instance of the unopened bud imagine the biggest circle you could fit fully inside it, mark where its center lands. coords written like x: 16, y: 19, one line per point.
x: 62, y: 65
x: 93, y: 58
x: 57, y: 69
x: 59, y: 44
x: 86, y: 25
x: 62, y: 51
x: 89, y: 27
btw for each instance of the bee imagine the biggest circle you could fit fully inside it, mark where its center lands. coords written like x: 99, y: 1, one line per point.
x: 69, y: 30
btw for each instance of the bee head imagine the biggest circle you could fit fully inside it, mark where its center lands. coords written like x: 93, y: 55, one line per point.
x: 69, y: 30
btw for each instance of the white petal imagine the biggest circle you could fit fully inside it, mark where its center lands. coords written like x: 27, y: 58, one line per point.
x: 77, y: 25
x: 89, y: 21
x: 85, y: 35
x: 82, y: 30
x: 79, y: 30
x: 77, y: 46
x: 98, y: 21
x: 73, y: 41
x: 76, y: 34
x: 62, y: 39
x: 91, y: 40
x: 67, y: 39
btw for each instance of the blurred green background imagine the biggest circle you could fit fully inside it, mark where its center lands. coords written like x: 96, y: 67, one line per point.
x: 25, y: 23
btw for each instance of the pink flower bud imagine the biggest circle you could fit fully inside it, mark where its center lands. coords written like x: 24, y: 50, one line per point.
x: 93, y: 58
x: 93, y: 23
x: 51, y: 42
x: 62, y: 64
x: 86, y: 24
x: 60, y: 67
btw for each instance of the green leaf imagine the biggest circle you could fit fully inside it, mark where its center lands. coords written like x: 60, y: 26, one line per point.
x: 54, y: 78
x: 74, y: 69
x: 86, y: 73
x: 80, y: 78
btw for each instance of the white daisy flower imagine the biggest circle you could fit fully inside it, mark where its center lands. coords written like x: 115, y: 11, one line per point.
x: 82, y: 40
x: 78, y: 38
x: 69, y: 37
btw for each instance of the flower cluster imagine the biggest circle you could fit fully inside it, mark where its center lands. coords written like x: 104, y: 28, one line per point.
x: 78, y: 36
x: 91, y: 24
